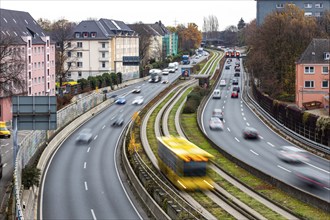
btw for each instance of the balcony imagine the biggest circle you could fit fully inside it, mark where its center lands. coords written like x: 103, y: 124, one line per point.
x: 104, y: 48
x: 105, y: 59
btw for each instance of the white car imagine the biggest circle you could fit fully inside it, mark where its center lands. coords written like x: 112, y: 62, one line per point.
x: 84, y: 136
x: 138, y: 100
x: 215, y: 123
x: 165, y: 71
x: 291, y: 154
x: 222, y: 82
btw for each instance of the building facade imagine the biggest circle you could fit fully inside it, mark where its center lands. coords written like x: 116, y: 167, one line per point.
x: 312, y: 74
x: 103, y: 46
x: 37, y: 58
x: 314, y: 8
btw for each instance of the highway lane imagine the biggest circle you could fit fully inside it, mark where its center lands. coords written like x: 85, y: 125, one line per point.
x: 82, y: 181
x: 259, y: 153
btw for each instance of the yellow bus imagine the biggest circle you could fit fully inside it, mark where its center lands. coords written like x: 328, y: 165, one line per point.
x: 183, y: 163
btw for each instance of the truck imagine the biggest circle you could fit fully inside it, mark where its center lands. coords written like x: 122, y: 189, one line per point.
x: 155, y: 75
x: 185, y: 59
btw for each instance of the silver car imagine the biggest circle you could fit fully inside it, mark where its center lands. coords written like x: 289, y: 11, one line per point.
x: 291, y: 154
x: 85, y: 136
x: 216, y: 123
x: 138, y: 100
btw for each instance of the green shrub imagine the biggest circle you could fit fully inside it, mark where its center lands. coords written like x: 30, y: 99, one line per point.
x: 30, y: 177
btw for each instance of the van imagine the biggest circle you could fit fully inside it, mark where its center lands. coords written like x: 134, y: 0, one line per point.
x: 4, y: 132
x: 217, y: 94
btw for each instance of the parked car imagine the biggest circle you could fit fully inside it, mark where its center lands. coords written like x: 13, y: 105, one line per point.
x: 215, y: 123
x: 118, y: 120
x: 121, y: 101
x: 217, y: 112
x: 138, y: 100
x: 234, y: 94
x: 250, y: 133
x: 4, y: 132
x: 84, y: 136
x: 291, y: 154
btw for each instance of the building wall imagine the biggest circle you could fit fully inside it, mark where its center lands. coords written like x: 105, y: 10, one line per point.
x: 5, y: 109
x: 265, y: 7
x: 316, y: 93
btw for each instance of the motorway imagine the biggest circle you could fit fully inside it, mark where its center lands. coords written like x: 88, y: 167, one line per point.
x: 260, y: 153
x: 82, y: 181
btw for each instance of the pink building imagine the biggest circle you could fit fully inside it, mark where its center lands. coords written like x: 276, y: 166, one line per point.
x: 36, y: 61
x: 312, y: 74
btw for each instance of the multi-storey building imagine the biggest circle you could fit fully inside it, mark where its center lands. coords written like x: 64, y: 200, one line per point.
x: 36, y: 58
x: 312, y: 73
x: 103, y: 46
x: 310, y: 7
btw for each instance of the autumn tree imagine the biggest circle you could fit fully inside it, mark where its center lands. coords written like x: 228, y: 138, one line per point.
x: 190, y: 37
x: 278, y: 42
x: 12, y: 67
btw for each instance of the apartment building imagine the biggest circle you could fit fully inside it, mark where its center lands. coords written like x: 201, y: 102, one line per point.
x: 103, y: 46
x: 314, y: 8
x: 163, y: 43
x: 312, y: 73
x: 35, y: 58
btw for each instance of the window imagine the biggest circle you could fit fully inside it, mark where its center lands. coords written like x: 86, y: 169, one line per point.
x: 318, y: 14
x: 103, y: 64
x: 309, y: 69
x: 69, y: 53
x: 103, y: 45
x: 325, y: 70
x: 69, y: 44
x: 79, y: 64
x: 325, y: 84
x: 308, y: 14
x: 85, y: 34
x: 308, y: 5
x: 77, y: 35
x: 29, y: 75
x: 79, y: 54
x: 69, y: 64
x: 69, y: 75
x: 79, y: 74
x: 93, y: 34
x: 309, y: 84
x: 103, y: 54
x: 318, y: 5
x: 79, y: 44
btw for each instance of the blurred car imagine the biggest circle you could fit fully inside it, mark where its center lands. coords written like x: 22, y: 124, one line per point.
x: 234, y: 94
x: 216, y: 94
x: 236, y: 88
x: 235, y: 81
x: 312, y: 177
x: 250, y: 133
x: 237, y: 74
x: 120, y: 101
x: 215, y: 123
x: 194, y: 62
x: 291, y: 154
x: 118, y: 120
x: 165, y: 71
x: 84, y: 136
x: 138, y: 100
x: 164, y: 82
x: 4, y: 132
x: 137, y: 90
x: 222, y: 82
x: 217, y: 112
x: 227, y: 67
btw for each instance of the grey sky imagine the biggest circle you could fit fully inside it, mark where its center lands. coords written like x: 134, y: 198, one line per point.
x: 169, y: 12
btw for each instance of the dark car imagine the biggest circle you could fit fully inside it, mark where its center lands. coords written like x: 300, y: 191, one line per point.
x: 237, y: 74
x: 236, y: 88
x: 121, y: 101
x: 234, y: 94
x: 235, y: 81
x: 118, y: 120
x: 227, y: 67
x: 84, y: 136
x: 250, y: 133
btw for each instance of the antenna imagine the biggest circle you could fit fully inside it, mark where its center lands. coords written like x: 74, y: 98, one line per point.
x: 175, y: 22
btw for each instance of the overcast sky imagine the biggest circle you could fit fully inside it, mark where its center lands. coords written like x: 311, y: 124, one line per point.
x: 170, y: 12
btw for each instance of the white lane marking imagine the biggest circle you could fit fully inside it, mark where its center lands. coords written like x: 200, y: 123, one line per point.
x: 247, y: 124
x: 103, y: 127
x: 236, y: 139
x: 270, y: 144
x: 4, y: 165
x: 85, y: 164
x: 113, y: 117
x: 88, y: 149
x: 95, y: 137
x: 244, y: 118
x: 254, y: 152
x: 86, y: 187
x: 284, y: 168
x: 242, y: 113
x: 93, y: 214
x: 228, y: 129
x: 241, y: 109
x: 225, y: 97
x: 326, y: 188
x: 224, y: 102
x: 241, y: 106
x: 121, y: 110
x: 223, y: 107
x: 261, y: 137
x: 6, y: 151
x: 317, y: 168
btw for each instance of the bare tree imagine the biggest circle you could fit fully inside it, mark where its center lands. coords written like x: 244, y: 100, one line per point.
x: 12, y: 67
x: 211, y: 26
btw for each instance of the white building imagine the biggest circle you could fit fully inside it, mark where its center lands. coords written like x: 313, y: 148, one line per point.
x: 103, y: 46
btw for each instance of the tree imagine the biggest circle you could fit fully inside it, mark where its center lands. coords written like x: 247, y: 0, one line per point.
x: 30, y: 177
x: 241, y: 24
x: 210, y: 26
x: 230, y: 35
x: 12, y: 67
x: 191, y: 37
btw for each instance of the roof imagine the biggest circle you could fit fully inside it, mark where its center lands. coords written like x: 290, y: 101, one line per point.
x: 184, y: 148
x: 18, y: 24
x: 104, y: 28
x: 156, y: 29
x: 314, y: 53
